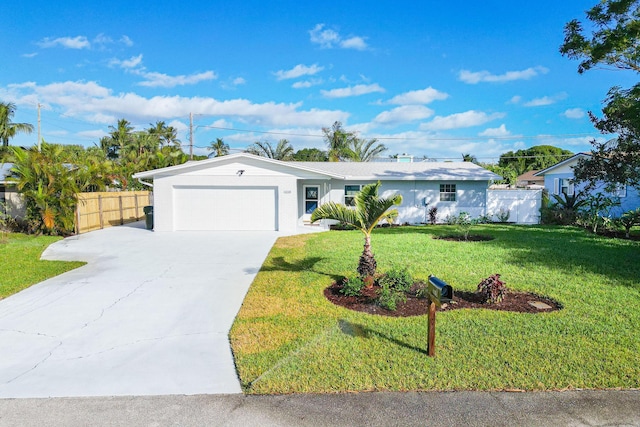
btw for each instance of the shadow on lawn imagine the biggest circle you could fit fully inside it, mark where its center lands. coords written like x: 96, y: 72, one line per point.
x: 306, y: 264
x: 357, y: 330
x: 561, y: 248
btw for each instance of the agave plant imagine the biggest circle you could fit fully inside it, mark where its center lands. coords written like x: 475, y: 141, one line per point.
x: 369, y: 210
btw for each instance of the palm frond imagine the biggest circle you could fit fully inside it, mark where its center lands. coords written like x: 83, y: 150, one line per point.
x: 337, y: 212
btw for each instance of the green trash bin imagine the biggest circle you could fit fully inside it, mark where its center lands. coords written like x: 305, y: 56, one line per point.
x: 148, y: 217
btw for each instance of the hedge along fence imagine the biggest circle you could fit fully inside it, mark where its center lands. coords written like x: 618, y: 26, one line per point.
x: 105, y: 209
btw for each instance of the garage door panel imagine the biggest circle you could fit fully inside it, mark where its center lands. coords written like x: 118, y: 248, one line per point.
x: 225, y: 208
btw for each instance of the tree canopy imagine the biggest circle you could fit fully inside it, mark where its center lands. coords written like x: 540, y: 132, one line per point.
x: 612, y: 41
x: 533, y: 158
x: 9, y: 129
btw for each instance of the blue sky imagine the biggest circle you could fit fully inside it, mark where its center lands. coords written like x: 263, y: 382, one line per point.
x: 425, y: 78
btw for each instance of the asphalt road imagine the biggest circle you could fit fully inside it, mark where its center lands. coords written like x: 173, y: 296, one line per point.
x: 469, y: 409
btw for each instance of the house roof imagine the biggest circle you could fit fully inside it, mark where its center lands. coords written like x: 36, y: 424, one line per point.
x: 432, y: 171
x: 529, y: 176
x: 562, y: 163
x: 423, y: 171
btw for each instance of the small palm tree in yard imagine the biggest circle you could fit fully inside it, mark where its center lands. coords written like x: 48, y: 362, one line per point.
x: 369, y: 210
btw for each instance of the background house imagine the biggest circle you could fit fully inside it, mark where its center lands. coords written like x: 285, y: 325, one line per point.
x: 558, y: 179
x: 11, y: 202
x: 247, y: 192
x: 529, y: 179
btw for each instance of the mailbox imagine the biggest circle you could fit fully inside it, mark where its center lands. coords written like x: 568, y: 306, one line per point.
x: 439, y: 292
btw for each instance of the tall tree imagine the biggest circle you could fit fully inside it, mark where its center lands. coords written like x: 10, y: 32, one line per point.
x: 469, y: 158
x: 9, y: 129
x: 167, y: 135
x: 282, y: 151
x: 533, y: 158
x: 218, y: 148
x: 363, y: 150
x: 311, y: 155
x: 339, y: 142
x: 612, y: 41
x: 368, y: 212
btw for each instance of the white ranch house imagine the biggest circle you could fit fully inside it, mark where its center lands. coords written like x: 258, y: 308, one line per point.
x: 247, y: 192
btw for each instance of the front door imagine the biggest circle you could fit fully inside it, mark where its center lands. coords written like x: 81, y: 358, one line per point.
x: 311, y: 200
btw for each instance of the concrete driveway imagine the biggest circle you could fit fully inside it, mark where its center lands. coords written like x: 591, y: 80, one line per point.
x: 148, y: 315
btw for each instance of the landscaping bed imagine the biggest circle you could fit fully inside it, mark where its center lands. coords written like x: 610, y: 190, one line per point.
x: 288, y: 337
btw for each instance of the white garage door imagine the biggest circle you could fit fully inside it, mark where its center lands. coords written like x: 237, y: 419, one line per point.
x: 225, y: 208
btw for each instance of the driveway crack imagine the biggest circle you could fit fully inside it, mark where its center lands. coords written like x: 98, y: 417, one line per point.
x: 36, y: 365
x: 116, y: 302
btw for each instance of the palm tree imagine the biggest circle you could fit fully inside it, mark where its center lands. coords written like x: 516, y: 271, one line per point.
x: 369, y: 210
x: 120, y: 137
x: 469, y: 158
x: 283, y: 151
x: 8, y: 129
x: 338, y: 141
x: 167, y: 135
x: 365, y: 151
x: 218, y: 147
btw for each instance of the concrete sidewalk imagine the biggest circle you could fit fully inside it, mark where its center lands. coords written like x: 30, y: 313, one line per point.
x: 469, y: 409
x: 148, y: 315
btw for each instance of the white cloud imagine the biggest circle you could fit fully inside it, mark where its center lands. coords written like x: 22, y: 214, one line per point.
x: 133, y: 62
x: 78, y: 42
x: 92, y: 102
x: 328, y: 39
x: 545, y: 100
x: 238, y: 81
x: 356, y: 42
x: 574, y: 113
x: 423, y: 96
x: 298, y: 71
x: 125, y: 40
x: 102, y: 39
x: 356, y: 90
x: 460, y: 120
x: 485, y: 76
x: 307, y: 83
x: 495, y: 132
x: 515, y: 99
x: 404, y: 114
x: 29, y: 55
x: 94, y: 134
x: 153, y: 79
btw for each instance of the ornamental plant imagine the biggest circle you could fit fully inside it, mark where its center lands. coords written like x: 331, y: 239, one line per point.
x: 492, y: 290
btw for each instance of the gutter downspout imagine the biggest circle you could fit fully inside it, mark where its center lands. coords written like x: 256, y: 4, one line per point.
x: 148, y: 184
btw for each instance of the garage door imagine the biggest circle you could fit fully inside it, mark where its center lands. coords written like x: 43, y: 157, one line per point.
x: 225, y: 208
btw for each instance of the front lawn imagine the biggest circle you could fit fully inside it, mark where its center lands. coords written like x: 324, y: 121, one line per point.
x: 20, y: 264
x: 289, y: 338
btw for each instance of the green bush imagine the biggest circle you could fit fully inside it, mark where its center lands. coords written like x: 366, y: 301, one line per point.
x: 389, y: 297
x: 352, y: 287
x: 397, y: 278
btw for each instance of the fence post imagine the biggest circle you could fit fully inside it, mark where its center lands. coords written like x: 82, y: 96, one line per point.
x: 121, y: 214
x: 100, y: 216
x: 136, y: 204
x: 78, y: 217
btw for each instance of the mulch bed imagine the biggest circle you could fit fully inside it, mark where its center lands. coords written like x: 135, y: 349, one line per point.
x: 513, y: 301
x: 459, y: 238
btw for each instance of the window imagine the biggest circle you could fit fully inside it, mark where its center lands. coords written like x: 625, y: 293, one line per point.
x: 563, y: 186
x: 447, y: 192
x: 349, y: 194
x: 620, y: 190
x: 310, y: 199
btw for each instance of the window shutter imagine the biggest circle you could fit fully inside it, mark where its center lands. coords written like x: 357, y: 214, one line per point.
x: 571, y: 189
x: 556, y: 185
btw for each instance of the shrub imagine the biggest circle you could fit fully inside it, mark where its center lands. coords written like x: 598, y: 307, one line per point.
x: 503, y: 215
x: 433, y: 215
x: 491, y: 289
x: 389, y: 297
x: 352, y: 287
x: 397, y: 278
x: 628, y: 220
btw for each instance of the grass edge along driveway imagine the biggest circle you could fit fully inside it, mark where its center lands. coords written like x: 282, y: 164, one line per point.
x: 20, y: 263
x: 288, y: 338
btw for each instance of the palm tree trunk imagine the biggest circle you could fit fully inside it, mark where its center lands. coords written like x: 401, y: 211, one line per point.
x: 367, y: 265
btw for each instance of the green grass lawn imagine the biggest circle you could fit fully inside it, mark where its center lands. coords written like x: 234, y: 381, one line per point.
x: 20, y: 264
x: 289, y: 338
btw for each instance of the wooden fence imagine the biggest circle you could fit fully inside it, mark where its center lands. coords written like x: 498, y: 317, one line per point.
x: 100, y: 210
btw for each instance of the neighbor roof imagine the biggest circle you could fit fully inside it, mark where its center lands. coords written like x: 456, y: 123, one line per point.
x: 564, y: 162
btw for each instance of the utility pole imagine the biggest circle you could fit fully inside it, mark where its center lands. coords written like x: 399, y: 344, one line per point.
x: 190, y: 136
x: 39, y: 128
